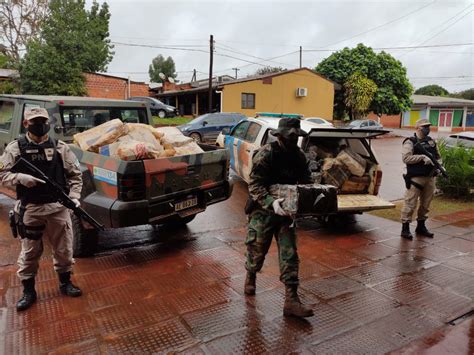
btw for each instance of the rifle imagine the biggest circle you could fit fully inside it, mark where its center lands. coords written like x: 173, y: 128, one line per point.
x: 436, y: 164
x: 24, y: 165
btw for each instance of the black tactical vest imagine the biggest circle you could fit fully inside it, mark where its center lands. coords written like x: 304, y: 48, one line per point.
x: 287, y: 167
x: 422, y: 169
x: 47, y: 159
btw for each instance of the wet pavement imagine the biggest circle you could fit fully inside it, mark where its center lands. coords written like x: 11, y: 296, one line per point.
x: 181, y: 291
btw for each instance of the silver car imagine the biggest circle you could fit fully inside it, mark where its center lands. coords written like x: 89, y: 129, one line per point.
x: 364, y: 124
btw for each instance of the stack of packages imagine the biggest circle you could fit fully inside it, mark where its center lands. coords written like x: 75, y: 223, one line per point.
x: 135, y: 141
x: 338, y: 170
x: 311, y: 199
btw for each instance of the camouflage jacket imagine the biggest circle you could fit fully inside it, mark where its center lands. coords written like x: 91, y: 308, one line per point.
x: 273, y: 165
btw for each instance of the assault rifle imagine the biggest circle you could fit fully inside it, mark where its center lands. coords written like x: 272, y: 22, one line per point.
x: 24, y: 165
x: 436, y: 164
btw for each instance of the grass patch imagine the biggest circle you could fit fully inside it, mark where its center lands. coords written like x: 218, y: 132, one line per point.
x: 174, y: 121
x: 439, y: 206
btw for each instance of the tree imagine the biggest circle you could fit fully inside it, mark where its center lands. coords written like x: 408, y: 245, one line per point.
x: 268, y: 70
x: 393, y: 88
x: 20, y: 21
x: 161, y: 65
x: 360, y: 92
x: 432, y: 90
x: 465, y: 94
x: 6, y: 62
x: 72, y: 41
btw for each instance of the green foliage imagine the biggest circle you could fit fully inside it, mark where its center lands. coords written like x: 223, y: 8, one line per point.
x: 161, y: 65
x: 9, y: 87
x: 394, y: 89
x: 268, y: 70
x: 432, y: 90
x: 459, y: 163
x: 465, y: 94
x: 360, y: 92
x: 6, y: 62
x: 73, y: 40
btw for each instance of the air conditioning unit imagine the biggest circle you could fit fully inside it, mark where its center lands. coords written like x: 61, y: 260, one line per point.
x: 301, y: 92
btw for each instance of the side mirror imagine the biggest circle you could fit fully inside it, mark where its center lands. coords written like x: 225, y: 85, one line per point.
x: 58, y: 129
x: 226, y: 130
x: 204, y: 123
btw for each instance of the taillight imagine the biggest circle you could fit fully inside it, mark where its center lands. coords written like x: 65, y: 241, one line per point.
x: 132, y: 188
x: 378, y: 181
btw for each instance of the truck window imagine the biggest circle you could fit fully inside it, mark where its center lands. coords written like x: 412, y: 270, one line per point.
x: 6, y: 115
x: 252, y: 132
x: 241, y: 129
x: 79, y: 119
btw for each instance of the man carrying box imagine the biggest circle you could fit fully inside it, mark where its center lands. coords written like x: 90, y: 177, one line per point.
x: 280, y: 162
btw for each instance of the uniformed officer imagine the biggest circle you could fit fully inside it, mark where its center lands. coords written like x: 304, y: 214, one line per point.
x: 42, y: 217
x: 421, y: 178
x: 280, y: 162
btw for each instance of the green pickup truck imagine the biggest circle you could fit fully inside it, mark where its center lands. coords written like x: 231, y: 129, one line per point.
x: 121, y: 193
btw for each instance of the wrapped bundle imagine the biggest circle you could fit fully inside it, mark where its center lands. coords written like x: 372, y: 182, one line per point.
x: 311, y: 199
x: 134, y: 150
x: 139, y: 132
x: 354, y: 162
x: 189, y: 149
x: 140, y: 126
x: 96, y: 137
x: 173, y: 137
x: 334, y: 172
x: 356, y: 185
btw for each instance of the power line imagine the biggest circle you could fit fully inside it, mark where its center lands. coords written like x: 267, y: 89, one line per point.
x: 382, y: 25
x: 395, y: 48
x: 249, y: 55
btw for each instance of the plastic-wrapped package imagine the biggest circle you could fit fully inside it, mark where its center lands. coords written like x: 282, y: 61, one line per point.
x: 133, y: 126
x: 354, y: 162
x: 173, y: 137
x: 141, y: 133
x: 310, y: 199
x: 96, y: 137
x: 135, y: 150
x: 189, y: 149
x: 334, y: 172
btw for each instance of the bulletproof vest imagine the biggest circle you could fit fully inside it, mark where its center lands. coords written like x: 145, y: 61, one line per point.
x: 422, y: 169
x: 46, y: 158
x: 287, y: 167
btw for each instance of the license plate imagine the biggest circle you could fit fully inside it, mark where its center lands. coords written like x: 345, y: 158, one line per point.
x: 182, y: 205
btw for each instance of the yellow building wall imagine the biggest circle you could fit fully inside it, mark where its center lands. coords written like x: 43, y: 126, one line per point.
x: 280, y: 96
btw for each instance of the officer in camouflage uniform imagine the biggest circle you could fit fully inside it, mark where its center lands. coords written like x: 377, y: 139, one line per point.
x: 42, y: 217
x: 421, y: 175
x: 280, y: 162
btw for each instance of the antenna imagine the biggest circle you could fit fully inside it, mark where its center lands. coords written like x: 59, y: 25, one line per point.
x: 171, y: 80
x: 162, y: 76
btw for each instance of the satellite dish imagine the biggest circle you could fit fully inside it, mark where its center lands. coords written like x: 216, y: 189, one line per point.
x: 162, y: 76
x: 171, y: 80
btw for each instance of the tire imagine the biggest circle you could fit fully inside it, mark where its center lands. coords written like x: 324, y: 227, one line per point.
x: 196, y: 136
x: 161, y: 114
x: 84, y: 241
x: 180, y: 222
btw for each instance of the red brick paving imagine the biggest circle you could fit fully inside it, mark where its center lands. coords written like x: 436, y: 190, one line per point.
x: 371, y: 292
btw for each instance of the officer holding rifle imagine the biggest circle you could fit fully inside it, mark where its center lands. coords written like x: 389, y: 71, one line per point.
x: 38, y: 216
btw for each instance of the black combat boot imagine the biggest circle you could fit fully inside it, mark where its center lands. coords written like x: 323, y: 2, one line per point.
x: 293, y: 306
x: 29, y: 295
x: 249, y: 288
x: 421, y: 230
x: 66, y: 286
x: 406, y: 231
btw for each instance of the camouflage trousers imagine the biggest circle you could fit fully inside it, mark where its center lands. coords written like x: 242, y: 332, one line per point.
x: 262, y: 227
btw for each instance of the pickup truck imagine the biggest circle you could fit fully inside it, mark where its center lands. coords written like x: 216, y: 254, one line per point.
x: 252, y: 133
x: 121, y: 193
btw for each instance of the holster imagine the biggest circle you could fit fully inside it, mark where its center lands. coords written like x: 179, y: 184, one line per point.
x: 409, y: 182
x: 13, y: 223
x: 29, y: 232
x: 250, y: 205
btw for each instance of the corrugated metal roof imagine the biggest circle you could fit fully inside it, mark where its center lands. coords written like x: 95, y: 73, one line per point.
x: 8, y: 73
x: 439, y: 100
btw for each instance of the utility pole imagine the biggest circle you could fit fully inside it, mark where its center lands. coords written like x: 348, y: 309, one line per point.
x: 193, y: 79
x: 211, y: 52
x: 301, y: 57
x: 236, y: 70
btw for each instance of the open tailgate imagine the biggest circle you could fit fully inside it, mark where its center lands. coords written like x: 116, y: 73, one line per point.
x: 346, y: 132
x: 363, y: 202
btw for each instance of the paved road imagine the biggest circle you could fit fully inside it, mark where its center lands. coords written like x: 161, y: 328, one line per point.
x: 167, y: 290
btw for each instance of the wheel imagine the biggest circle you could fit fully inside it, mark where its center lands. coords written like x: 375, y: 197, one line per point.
x: 84, y: 241
x: 161, y: 114
x: 180, y: 222
x: 196, y: 137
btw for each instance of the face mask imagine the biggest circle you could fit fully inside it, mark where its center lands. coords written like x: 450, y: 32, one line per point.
x: 290, y: 142
x: 425, y: 130
x: 39, y: 129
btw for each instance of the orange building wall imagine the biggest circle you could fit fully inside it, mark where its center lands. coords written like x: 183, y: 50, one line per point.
x: 113, y: 88
x: 388, y: 121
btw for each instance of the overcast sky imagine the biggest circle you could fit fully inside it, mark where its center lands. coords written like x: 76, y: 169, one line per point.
x: 249, y: 30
